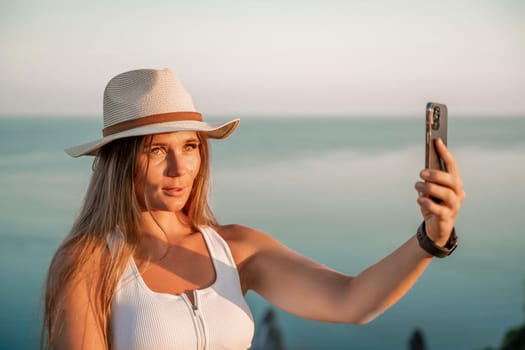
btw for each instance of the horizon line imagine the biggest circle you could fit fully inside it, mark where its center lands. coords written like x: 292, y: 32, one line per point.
x: 277, y: 116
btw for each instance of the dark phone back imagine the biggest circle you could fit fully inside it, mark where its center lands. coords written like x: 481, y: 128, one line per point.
x: 436, y: 126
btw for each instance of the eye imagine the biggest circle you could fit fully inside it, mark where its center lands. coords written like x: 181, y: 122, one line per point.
x: 156, y: 150
x: 190, y: 146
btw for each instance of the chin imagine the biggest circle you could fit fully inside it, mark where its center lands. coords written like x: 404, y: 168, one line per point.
x: 172, y: 207
x: 168, y: 204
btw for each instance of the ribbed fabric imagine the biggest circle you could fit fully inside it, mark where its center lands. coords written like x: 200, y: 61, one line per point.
x: 144, y: 319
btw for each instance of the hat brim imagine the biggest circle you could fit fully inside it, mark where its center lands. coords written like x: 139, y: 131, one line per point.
x: 213, y: 131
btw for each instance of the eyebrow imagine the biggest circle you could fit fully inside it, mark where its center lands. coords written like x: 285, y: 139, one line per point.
x: 190, y: 140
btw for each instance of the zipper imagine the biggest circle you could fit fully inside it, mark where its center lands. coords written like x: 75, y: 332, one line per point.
x: 197, y: 321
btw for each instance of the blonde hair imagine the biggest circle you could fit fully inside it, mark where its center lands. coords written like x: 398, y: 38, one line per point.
x: 110, y: 207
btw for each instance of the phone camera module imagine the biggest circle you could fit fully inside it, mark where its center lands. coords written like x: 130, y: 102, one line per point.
x: 435, y: 119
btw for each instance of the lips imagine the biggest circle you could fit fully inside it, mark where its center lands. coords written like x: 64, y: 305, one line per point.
x: 173, y: 191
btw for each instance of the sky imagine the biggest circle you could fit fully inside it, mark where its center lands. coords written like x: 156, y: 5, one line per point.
x: 269, y: 58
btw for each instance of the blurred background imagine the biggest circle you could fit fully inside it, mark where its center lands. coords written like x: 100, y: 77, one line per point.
x: 331, y: 97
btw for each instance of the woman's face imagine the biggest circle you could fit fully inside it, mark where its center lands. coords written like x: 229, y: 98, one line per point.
x: 166, y: 170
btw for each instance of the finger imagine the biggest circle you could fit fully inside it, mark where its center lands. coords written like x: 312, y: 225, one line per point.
x: 447, y: 157
x: 462, y: 196
x: 453, y: 181
x: 448, y: 197
x: 432, y: 207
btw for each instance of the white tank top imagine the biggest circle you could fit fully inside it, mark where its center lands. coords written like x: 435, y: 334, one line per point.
x: 218, y: 319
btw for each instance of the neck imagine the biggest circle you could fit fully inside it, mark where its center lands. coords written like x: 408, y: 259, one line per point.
x: 159, y: 229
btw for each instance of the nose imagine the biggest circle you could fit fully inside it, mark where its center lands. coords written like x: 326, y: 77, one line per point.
x: 175, y: 165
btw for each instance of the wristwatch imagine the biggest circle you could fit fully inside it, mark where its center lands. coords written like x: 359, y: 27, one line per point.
x: 431, y: 248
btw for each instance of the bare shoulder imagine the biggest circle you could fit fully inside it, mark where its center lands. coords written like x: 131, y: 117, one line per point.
x: 244, y: 241
x: 247, y: 236
x: 77, y: 271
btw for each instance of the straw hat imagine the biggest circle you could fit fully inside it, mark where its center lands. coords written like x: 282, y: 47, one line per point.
x: 148, y: 101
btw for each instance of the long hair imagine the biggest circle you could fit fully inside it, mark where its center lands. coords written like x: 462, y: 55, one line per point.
x: 110, y: 207
x: 197, y: 207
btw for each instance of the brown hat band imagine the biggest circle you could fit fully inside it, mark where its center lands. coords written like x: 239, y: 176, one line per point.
x: 151, y: 119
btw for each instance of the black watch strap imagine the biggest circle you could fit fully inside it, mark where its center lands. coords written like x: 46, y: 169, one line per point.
x: 431, y: 248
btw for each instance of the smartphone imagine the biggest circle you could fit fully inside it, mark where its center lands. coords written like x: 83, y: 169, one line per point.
x: 436, y: 127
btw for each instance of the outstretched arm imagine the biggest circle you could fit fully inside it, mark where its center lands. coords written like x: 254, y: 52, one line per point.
x: 311, y: 290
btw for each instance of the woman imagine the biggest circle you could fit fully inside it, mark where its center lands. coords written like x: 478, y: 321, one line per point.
x: 147, y: 266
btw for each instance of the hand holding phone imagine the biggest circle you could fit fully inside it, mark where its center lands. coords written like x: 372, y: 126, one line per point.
x: 439, y: 215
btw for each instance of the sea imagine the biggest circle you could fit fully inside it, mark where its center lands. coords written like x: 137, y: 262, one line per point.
x: 338, y: 190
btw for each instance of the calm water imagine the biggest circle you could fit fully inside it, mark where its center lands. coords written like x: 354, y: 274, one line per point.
x: 337, y: 190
